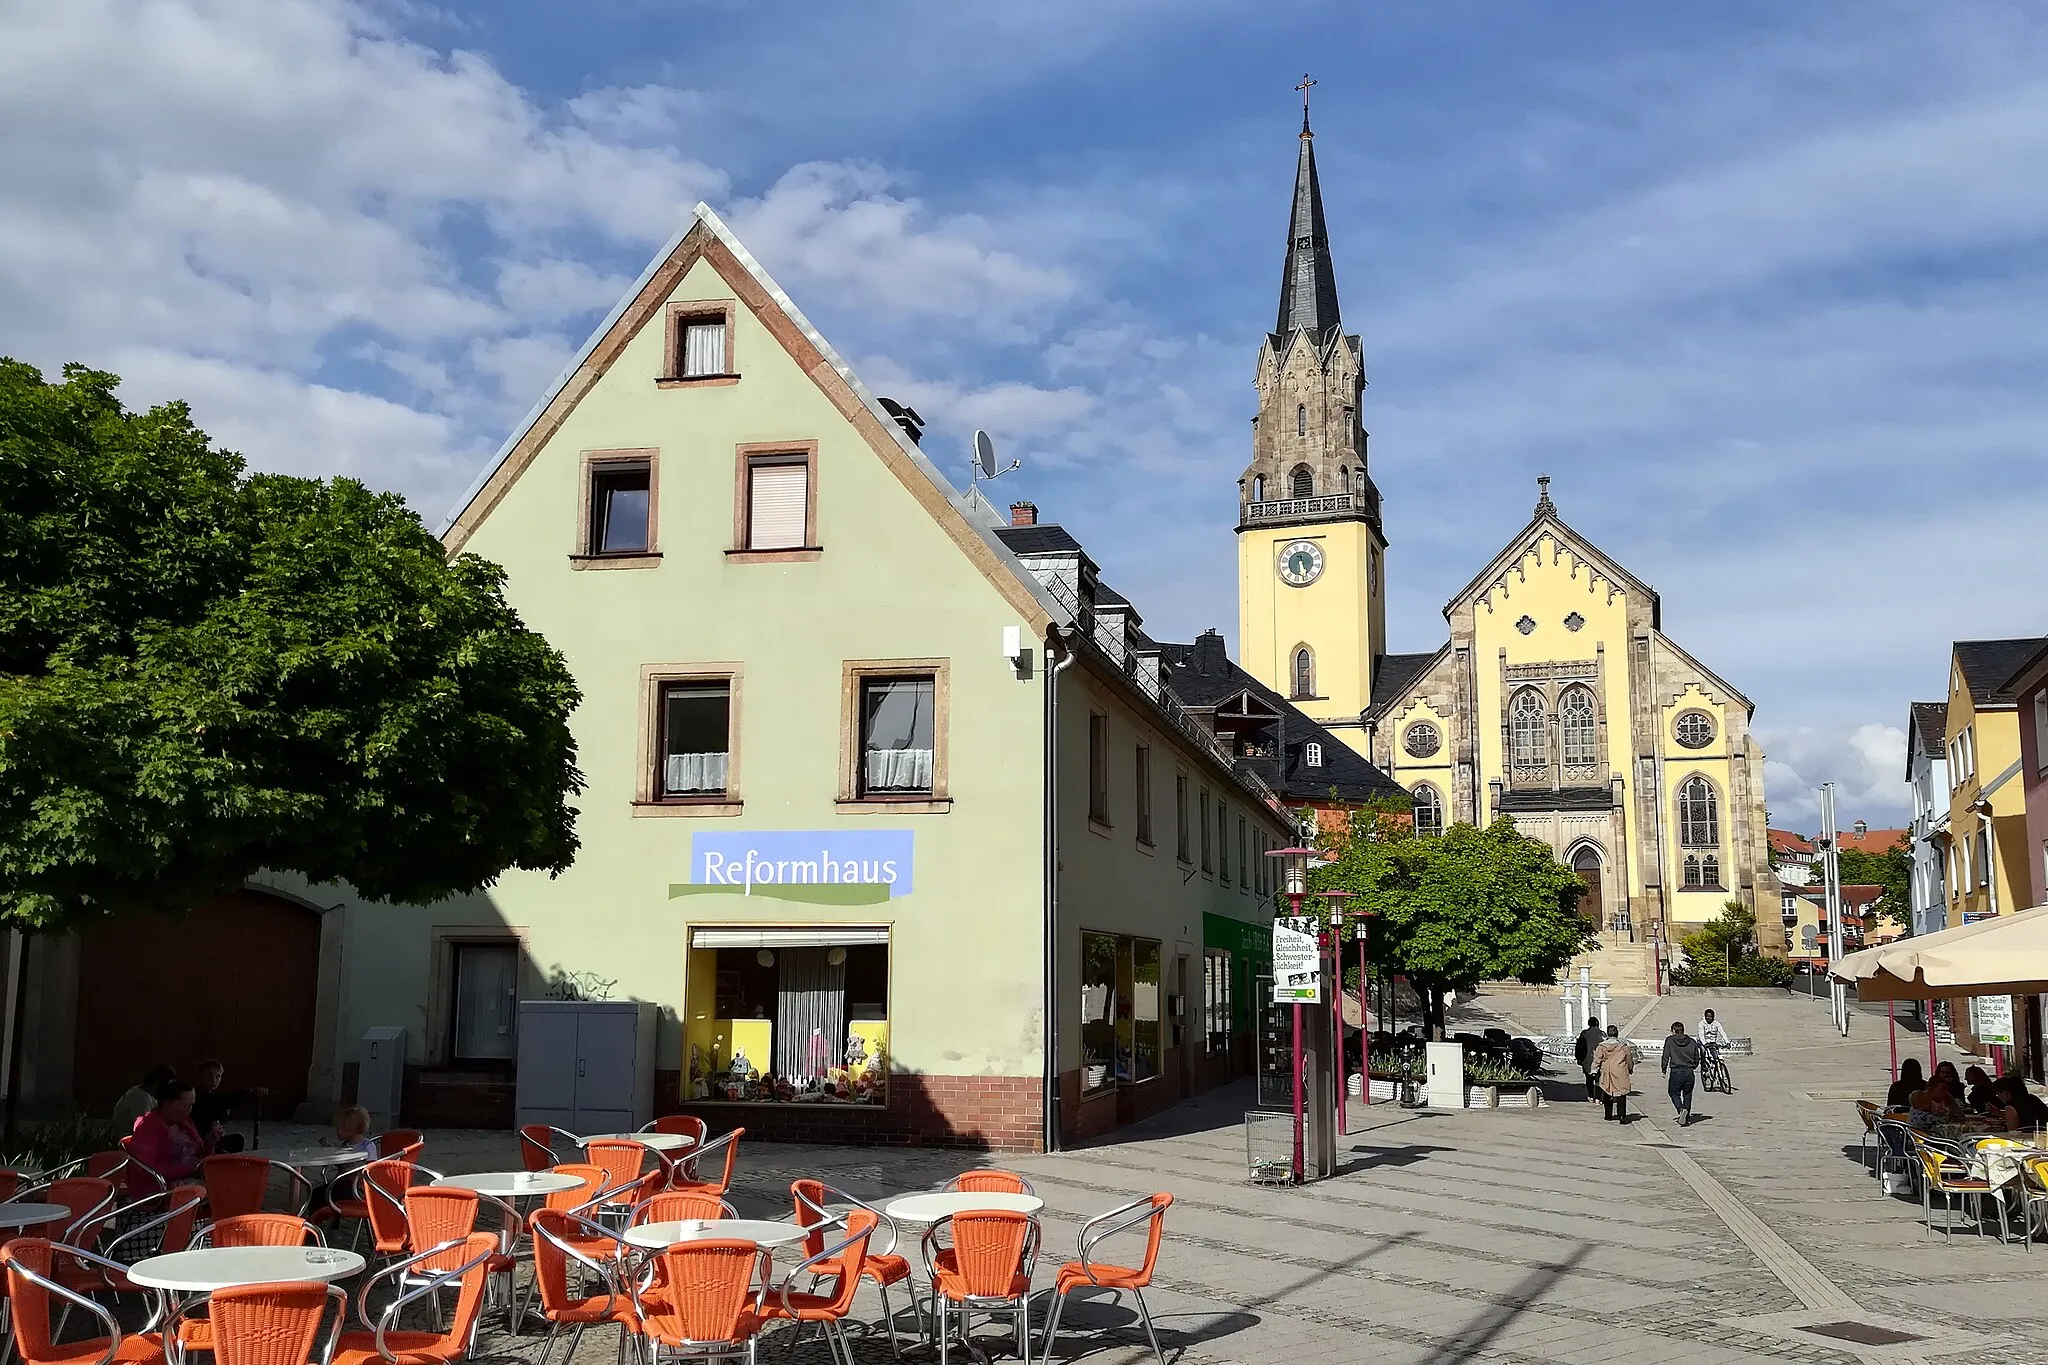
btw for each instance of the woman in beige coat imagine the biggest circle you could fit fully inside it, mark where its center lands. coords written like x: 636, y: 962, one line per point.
x: 1616, y: 1063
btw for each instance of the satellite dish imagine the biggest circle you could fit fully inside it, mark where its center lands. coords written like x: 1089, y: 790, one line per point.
x: 984, y: 455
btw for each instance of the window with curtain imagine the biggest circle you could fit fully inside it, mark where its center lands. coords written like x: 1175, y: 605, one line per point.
x: 1699, y: 819
x: 1216, y: 1023
x: 696, y: 738
x: 1304, y: 673
x: 1429, y: 811
x: 896, y: 736
x: 1098, y: 768
x: 1528, y: 743
x: 703, y: 346
x: 486, y: 1003
x: 1142, y: 785
x: 778, y: 501
x: 1578, y: 728
x: 1208, y: 853
x: 1244, y: 862
x: 1222, y: 840
x: 1302, y: 482
x: 620, y: 498
x: 1180, y: 816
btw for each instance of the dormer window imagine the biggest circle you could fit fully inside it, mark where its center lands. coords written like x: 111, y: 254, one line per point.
x: 1312, y: 755
x: 700, y: 344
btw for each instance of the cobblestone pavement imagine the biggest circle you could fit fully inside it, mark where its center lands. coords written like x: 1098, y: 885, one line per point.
x: 1512, y: 1236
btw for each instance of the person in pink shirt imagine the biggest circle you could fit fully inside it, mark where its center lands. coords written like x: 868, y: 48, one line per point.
x: 166, y: 1140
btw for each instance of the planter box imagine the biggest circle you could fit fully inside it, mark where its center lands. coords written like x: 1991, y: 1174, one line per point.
x: 1520, y: 1096
x: 1388, y: 1092
x: 1482, y: 1097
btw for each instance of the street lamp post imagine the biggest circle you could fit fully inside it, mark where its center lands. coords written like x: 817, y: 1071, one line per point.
x: 1294, y: 885
x: 1364, y: 919
x: 1336, y: 900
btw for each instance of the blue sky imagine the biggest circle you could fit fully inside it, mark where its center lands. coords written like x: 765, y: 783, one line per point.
x: 1764, y: 287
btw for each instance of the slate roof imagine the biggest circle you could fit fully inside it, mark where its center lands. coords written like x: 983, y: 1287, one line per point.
x: 1203, y: 677
x: 1391, y: 675
x: 1930, y: 726
x: 1044, y: 539
x: 2030, y: 664
x: 1308, y: 282
x: 1989, y: 665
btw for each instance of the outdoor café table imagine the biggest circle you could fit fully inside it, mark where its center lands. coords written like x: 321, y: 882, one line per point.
x: 660, y: 1142
x: 760, y: 1231
x: 321, y: 1158
x: 17, y: 1216
x: 512, y: 1184
x: 211, y: 1268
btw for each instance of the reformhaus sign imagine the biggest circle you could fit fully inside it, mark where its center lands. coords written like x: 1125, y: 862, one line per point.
x: 811, y: 867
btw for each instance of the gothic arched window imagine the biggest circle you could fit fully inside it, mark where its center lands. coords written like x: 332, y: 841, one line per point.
x: 1258, y: 488
x: 1304, y: 482
x: 1301, y: 419
x: 1429, y: 810
x: 1528, y: 745
x: 1692, y: 872
x: 1578, y: 728
x: 1699, y: 820
x: 1304, y: 673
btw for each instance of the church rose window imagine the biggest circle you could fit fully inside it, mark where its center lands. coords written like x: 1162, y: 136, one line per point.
x: 1421, y: 739
x: 1429, y: 811
x: 1699, y: 822
x: 1528, y: 745
x: 1576, y: 720
x: 1695, y: 729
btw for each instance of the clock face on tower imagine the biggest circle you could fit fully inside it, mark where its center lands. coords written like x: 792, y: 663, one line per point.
x: 1301, y: 563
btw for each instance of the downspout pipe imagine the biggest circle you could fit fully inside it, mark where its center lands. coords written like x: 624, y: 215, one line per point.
x: 1055, y: 648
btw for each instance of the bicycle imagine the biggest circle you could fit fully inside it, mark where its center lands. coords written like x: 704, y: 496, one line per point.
x: 1714, y: 1073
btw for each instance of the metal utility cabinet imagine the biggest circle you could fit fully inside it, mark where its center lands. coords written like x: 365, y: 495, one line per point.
x: 586, y: 1065
x: 380, y: 1076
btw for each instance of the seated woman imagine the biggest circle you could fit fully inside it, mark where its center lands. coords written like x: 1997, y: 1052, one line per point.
x: 2023, y: 1108
x: 1909, y: 1083
x: 166, y: 1140
x: 1978, y: 1091
x: 1935, y: 1106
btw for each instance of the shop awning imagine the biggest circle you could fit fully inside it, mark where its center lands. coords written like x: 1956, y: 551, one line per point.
x: 810, y: 936
x: 2006, y: 955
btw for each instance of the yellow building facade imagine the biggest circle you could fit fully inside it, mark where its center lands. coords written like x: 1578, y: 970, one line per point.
x: 1987, y: 852
x: 1558, y: 700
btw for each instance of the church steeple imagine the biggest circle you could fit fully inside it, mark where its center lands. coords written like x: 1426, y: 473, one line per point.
x: 1308, y: 284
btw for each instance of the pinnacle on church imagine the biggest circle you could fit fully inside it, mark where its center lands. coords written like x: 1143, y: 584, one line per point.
x: 1544, y: 506
x: 1308, y: 285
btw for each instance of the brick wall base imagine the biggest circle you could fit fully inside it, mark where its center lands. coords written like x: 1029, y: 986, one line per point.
x: 980, y: 1113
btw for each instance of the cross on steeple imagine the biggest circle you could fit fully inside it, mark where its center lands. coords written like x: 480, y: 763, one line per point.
x: 1306, y: 81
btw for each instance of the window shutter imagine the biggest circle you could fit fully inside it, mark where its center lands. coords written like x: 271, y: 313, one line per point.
x: 704, y: 347
x: 775, y: 506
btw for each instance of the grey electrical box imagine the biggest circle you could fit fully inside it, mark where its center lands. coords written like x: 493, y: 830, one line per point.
x: 380, y: 1076
x: 586, y: 1065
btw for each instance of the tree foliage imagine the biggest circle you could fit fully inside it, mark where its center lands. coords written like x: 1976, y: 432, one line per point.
x: 205, y: 673
x: 1723, y: 952
x: 1892, y: 869
x: 1454, y: 910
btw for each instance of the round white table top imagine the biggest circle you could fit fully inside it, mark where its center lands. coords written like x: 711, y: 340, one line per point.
x: 212, y: 1268
x: 930, y: 1208
x: 660, y: 1142
x: 322, y: 1156
x: 512, y: 1184
x: 31, y: 1215
x: 757, y: 1230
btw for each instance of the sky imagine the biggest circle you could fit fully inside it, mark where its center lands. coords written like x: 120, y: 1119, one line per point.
x: 1762, y: 286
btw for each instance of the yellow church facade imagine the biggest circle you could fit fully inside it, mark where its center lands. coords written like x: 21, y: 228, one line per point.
x: 1558, y: 700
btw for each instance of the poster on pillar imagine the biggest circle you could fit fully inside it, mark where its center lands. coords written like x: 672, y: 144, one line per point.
x: 1991, y: 1019
x: 1297, y: 962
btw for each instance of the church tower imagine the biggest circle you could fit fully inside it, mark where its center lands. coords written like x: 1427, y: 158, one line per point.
x: 1310, y: 550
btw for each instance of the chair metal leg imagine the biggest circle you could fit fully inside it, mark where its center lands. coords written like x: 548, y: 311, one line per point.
x: 1052, y: 1325
x: 945, y: 1334
x: 889, y: 1316
x: 1145, y: 1314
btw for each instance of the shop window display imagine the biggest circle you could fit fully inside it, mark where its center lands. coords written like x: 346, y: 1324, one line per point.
x: 1120, y: 1010
x: 795, y: 1024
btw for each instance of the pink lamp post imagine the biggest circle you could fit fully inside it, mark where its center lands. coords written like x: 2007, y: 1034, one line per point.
x: 1336, y: 900
x: 1294, y: 885
x: 1364, y: 918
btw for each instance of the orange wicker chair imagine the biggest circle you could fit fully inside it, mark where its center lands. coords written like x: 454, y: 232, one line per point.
x: 677, y: 1206
x: 537, y: 1145
x: 987, y: 1269
x: 31, y: 1287
x: 990, y: 1182
x: 11, y: 1181
x: 681, y: 1125
x: 627, y: 1179
x: 558, y: 1237
x: 442, y: 1215
x: 883, y: 1265
x: 236, y: 1184
x: 88, y: 1201
x: 841, y: 1264
x: 272, y: 1324
x: 1118, y: 1279
x: 163, y: 1232
x: 404, y: 1143
x: 143, y: 1179
x: 700, y: 1304
x: 262, y: 1230
x: 381, y: 1343
x: 694, y: 1170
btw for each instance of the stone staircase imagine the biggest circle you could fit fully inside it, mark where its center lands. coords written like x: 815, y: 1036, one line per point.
x: 1627, y: 968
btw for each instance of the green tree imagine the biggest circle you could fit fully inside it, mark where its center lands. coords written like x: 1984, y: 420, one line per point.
x: 204, y: 673
x: 1454, y: 910
x: 1892, y: 870
x: 1723, y: 952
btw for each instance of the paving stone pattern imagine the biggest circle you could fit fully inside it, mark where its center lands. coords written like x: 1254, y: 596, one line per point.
x: 1511, y: 1236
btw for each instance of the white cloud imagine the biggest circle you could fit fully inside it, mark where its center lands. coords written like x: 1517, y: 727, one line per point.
x: 1867, y: 765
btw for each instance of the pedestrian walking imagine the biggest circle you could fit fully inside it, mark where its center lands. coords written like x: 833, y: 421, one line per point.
x: 1616, y: 1064
x: 1589, y: 1042
x: 1680, y: 1063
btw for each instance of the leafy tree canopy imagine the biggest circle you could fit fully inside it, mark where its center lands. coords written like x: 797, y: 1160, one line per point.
x: 1891, y: 869
x: 1454, y: 910
x: 205, y: 673
x: 1723, y: 952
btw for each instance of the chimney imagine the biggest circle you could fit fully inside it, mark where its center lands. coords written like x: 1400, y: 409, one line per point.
x: 1023, y: 514
x: 906, y: 417
x: 1208, y: 655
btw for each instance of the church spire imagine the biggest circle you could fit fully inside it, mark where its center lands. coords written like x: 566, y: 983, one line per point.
x: 1308, y: 285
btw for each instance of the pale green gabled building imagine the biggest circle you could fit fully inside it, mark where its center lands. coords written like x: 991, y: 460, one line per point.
x: 822, y: 817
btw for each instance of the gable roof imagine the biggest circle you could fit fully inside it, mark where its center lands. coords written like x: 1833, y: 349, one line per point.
x: 1988, y: 667
x: 1785, y: 841
x: 1547, y: 519
x: 1206, y: 678
x: 706, y: 238
x: 1044, y: 538
x: 1393, y: 675
x: 2027, y: 676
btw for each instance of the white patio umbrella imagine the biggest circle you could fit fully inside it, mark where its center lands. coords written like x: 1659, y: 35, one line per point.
x: 2006, y: 955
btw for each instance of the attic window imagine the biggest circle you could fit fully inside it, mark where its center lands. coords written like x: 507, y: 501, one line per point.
x: 699, y: 343
x: 1312, y: 754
